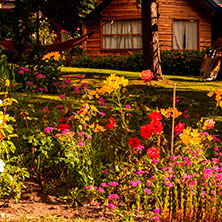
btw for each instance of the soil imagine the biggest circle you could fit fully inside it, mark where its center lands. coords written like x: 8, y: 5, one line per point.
x: 34, y: 204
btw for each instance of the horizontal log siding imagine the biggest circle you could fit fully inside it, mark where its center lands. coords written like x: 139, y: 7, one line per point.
x: 168, y: 10
x: 183, y: 9
x: 116, y: 10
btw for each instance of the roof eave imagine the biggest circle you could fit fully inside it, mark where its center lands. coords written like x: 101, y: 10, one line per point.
x: 97, y: 10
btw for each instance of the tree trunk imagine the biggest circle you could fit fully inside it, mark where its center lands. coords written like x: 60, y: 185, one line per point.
x: 151, y: 51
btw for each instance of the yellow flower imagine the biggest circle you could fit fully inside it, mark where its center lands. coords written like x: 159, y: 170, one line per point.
x: 190, y: 136
x: 7, y: 82
x: 210, y: 94
x: 209, y: 137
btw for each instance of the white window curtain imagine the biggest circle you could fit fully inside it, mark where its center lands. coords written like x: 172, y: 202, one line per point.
x: 122, y: 35
x: 185, y: 34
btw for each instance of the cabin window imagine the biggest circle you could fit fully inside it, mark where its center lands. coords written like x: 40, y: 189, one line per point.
x: 122, y: 34
x: 185, y: 34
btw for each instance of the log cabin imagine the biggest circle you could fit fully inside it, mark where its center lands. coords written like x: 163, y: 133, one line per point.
x: 182, y: 25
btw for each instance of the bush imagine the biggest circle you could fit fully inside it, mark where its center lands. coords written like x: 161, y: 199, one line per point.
x: 173, y: 62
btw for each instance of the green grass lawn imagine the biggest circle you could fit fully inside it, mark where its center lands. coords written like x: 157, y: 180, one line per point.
x: 191, y: 91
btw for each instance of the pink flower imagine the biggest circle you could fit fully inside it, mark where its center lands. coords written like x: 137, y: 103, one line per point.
x: 127, y: 106
x: 100, y: 189
x: 148, y: 183
x: 88, y: 136
x: 105, y: 171
x: 147, y: 191
x: 48, y: 130
x: 146, y: 75
x: 112, y: 206
x: 13, y: 86
x: 79, y: 77
x: 113, y: 196
x: 103, y: 184
x: 80, y: 144
x: 62, y: 96
x: 21, y: 72
x: 27, y: 69
x: 133, y: 183
x: 156, y: 218
x: 89, y: 187
x: 40, y: 76
x: 209, y: 124
x: 102, y: 114
x: 157, y: 211
x: 113, y: 184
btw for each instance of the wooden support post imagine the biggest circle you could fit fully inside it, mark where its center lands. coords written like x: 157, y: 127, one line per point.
x: 173, y: 119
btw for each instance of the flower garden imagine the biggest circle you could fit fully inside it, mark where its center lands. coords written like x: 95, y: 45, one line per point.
x: 115, y: 146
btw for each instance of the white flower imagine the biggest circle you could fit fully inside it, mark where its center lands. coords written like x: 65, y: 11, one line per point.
x: 2, y: 165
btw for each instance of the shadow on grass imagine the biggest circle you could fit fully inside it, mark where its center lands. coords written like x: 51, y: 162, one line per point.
x: 196, y: 103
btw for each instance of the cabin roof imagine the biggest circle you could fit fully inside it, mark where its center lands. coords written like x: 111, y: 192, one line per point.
x: 209, y: 4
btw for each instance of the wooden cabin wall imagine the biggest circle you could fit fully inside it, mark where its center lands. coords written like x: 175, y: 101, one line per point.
x: 183, y: 9
x: 116, y: 10
x: 168, y: 10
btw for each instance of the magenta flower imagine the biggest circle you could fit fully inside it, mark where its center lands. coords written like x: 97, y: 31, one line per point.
x: 157, y: 211
x: 112, y: 206
x: 27, y: 69
x: 48, y: 130
x: 133, y: 183
x: 127, y: 106
x: 89, y: 187
x: 63, y: 96
x: 40, y: 76
x: 147, y: 191
x: 102, y: 114
x: 113, y: 184
x: 79, y: 77
x: 100, y: 189
x: 103, y: 184
x: 113, y: 196
x: 148, y: 183
x: 156, y: 218
x: 80, y: 144
x: 21, y: 72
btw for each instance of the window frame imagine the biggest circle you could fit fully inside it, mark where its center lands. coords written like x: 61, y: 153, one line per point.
x: 198, y: 31
x: 111, y: 35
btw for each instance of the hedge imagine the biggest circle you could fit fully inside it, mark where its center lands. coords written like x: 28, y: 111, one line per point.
x: 173, y: 62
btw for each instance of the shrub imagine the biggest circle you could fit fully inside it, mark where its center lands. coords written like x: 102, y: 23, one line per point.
x: 173, y: 62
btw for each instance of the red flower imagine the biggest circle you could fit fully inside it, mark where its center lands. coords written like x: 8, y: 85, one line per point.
x: 62, y: 120
x: 153, y: 152
x: 179, y: 128
x: 134, y: 142
x: 111, y: 123
x: 146, y: 131
x: 155, y: 116
x: 156, y: 126
x: 63, y: 126
x: 146, y: 75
